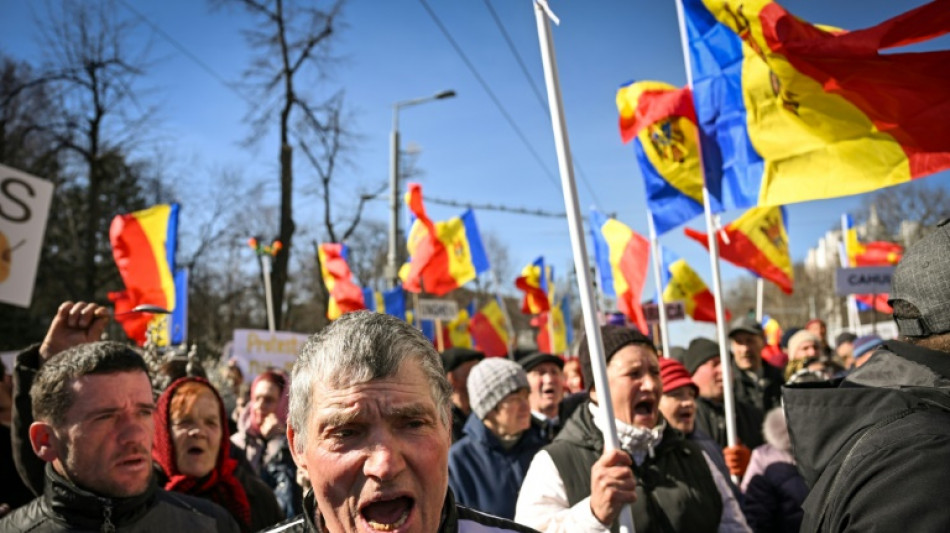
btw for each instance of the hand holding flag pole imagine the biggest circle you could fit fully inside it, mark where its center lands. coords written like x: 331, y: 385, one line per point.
x: 569, y: 188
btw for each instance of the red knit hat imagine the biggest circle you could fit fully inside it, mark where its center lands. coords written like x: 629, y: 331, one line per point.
x: 674, y: 375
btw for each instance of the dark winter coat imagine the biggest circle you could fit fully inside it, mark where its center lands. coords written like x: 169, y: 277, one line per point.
x: 675, y: 490
x: 711, y: 419
x: 65, y: 507
x: 484, y: 475
x: 455, y: 519
x: 764, y: 393
x: 774, y: 489
x: 875, y: 447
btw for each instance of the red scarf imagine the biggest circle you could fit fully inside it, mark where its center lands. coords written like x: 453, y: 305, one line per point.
x: 220, y: 485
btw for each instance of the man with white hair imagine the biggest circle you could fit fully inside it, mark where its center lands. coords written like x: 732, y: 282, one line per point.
x: 370, y: 422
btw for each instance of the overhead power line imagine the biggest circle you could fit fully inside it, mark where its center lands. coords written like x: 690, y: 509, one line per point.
x: 496, y: 207
x: 491, y: 94
x: 537, y: 92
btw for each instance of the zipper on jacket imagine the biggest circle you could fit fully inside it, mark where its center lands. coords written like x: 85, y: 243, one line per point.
x: 107, y: 525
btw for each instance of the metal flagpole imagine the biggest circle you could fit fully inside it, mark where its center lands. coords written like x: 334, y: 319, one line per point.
x: 575, y: 225
x: 854, y: 318
x: 759, y: 300
x: 268, y: 298
x: 725, y: 360
x: 658, y: 279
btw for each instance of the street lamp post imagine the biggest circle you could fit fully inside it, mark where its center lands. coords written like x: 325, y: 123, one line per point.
x: 392, y: 265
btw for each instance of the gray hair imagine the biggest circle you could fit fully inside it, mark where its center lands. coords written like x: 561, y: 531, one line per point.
x: 358, y: 348
x: 51, y: 392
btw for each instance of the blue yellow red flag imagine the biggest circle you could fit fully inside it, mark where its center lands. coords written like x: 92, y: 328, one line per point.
x: 660, y: 120
x: 622, y: 257
x: 443, y: 255
x: 533, y: 281
x: 758, y: 241
x: 560, y: 325
x: 144, y: 244
x: 799, y: 112
x: 875, y: 253
x: 682, y: 284
x: 489, y: 329
x: 345, y: 296
x: 457, y: 331
x: 391, y: 302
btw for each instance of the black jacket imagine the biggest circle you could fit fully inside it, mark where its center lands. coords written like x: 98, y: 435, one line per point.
x: 455, y: 519
x: 764, y: 392
x: 875, y: 446
x: 711, y: 419
x: 675, y: 490
x: 65, y: 507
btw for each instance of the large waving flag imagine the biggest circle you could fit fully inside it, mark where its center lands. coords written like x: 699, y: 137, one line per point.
x: 533, y: 281
x: 345, y: 296
x: 143, y: 246
x: 682, y: 284
x: 489, y: 329
x: 391, y: 302
x: 800, y: 113
x: 758, y: 241
x: 622, y: 258
x: 560, y: 324
x: 443, y: 255
x: 661, y: 121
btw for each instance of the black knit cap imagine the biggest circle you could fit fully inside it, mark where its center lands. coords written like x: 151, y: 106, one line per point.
x: 700, y: 350
x: 615, y: 338
x: 455, y: 357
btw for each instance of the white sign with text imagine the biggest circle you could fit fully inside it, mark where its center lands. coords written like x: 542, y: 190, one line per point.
x: 24, y: 208
x: 430, y: 309
x: 256, y: 350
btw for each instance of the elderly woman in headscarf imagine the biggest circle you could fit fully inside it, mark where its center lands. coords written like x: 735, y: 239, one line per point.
x: 192, y: 453
x: 261, y: 438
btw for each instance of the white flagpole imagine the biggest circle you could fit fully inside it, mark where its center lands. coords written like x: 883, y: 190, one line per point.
x: 268, y: 299
x: 575, y: 225
x: 658, y: 279
x: 712, y: 229
x: 854, y: 318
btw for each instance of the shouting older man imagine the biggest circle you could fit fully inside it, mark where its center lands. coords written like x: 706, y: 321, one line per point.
x: 370, y: 422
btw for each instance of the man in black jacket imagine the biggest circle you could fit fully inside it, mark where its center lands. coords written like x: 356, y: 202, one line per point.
x: 92, y: 408
x: 875, y: 446
x: 757, y: 383
x: 370, y: 422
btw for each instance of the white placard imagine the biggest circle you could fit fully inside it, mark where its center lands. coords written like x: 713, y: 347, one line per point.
x: 863, y: 280
x: 429, y: 309
x: 257, y: 349
x: 24, y: 208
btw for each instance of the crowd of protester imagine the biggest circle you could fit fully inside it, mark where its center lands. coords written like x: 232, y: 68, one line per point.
x: 375, y: 429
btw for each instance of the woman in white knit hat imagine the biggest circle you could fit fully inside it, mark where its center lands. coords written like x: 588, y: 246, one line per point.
x: 487, y: 466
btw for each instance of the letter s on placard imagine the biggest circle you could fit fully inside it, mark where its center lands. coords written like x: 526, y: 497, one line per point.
x: 6, y: 193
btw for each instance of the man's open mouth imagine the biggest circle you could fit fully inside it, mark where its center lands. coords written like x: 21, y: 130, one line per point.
x: 195, y: 450
x: 388, y: 515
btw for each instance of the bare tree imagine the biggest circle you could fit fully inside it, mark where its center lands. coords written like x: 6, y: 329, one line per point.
x: 90, y: 75
x: 904, y: 214
x: 291, y: 40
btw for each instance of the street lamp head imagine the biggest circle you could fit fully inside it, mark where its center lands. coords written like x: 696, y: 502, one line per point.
x: 445, y: 94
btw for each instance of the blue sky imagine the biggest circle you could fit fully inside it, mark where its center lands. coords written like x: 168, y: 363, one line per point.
x: 393, y: 51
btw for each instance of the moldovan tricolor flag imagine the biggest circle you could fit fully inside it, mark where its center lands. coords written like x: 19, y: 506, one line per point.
x: 875, y: 253
x: 560, y: 323
x: 443, y: 255
x: 800, y: 113
x: 758, y: 241
x: 682, y: 284
x: 660, y: 120
x: 456, y: 332
x: 489, y: 329
x: 622, y: 257
x: 345, y: 296
x: 144, y: 245
x: 533, y: 281
x: 391, y: 302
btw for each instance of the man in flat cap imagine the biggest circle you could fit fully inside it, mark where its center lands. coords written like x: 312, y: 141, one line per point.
x: 458, y: 362
x: 875, y: 446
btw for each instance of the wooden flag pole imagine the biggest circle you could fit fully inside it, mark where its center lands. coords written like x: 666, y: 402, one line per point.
x: 658, y: 279
x: 713, y: 236
x: 569, y: 188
